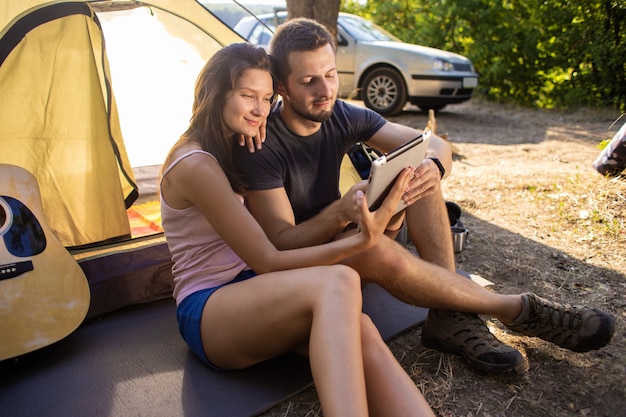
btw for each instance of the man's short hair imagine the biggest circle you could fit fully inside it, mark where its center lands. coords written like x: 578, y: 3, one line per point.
x: 299, y: 34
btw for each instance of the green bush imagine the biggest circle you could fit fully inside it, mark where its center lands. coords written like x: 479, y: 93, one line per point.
x: 546, y: 54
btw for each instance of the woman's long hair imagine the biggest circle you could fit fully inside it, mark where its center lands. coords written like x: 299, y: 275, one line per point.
x: 216, y: 79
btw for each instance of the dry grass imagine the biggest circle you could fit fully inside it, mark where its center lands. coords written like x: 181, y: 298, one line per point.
x: 541, y: 220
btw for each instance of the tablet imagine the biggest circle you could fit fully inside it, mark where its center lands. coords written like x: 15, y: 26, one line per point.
x: 386, y: 168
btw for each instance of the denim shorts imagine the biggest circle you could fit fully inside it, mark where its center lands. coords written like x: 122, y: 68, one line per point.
x: 189, y: 314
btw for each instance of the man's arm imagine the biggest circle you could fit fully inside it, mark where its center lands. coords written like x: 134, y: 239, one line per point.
x: 273, y: 211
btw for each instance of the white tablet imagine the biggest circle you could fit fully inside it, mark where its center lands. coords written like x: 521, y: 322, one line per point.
x: 386, y: 168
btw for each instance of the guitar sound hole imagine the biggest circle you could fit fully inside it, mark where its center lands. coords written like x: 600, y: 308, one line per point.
x: 3, y: 217
x: 22, y: 233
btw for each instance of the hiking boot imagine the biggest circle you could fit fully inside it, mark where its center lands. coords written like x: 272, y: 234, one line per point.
x: 467, y: 335
x: 577, y: 328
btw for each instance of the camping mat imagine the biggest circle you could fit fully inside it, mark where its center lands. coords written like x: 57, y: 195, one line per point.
x: 133, y: 362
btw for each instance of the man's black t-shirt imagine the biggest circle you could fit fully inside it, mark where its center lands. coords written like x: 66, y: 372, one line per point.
x: 307, y: 167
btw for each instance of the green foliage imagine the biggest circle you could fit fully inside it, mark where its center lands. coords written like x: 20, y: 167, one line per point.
x: 540, y: 53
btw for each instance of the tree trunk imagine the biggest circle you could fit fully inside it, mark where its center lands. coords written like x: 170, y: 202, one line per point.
x: 323, y: 11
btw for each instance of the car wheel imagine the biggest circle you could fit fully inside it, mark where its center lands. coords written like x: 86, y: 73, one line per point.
x: 383, y: 90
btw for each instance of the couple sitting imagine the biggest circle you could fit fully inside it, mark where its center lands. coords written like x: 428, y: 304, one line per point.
x: 283, y: 273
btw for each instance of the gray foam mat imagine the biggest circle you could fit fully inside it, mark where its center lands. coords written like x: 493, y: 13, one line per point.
x: 134, y: 363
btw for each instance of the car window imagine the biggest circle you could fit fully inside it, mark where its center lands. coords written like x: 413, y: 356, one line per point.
x: 261, y: 35
x: 363, y: 30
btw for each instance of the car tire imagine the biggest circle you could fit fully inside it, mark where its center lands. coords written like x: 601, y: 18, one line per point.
x: 384, y: 91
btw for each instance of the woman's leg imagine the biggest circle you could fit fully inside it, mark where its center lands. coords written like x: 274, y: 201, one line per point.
x: 390, y: 390
x: 272, y: 314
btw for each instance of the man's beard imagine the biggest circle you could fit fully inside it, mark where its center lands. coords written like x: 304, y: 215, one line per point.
x: 314, y: 117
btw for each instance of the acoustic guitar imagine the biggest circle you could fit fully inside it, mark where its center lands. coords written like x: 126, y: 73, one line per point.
x: 44, y: 294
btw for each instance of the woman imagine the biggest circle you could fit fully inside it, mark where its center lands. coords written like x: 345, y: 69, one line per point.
x: 230, y: 316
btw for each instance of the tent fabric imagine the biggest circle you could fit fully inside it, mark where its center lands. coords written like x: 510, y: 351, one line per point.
x: 58, y: 119
x: 188, y: 10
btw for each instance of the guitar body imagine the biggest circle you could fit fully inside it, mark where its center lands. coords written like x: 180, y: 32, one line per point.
x: 44, y: 294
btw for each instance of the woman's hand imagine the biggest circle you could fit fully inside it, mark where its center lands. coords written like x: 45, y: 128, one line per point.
x: 255, y: 142
x: 348, y: 209
x: 373, y: 224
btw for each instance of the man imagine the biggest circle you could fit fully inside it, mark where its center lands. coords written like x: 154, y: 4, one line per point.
x: 293, y: 192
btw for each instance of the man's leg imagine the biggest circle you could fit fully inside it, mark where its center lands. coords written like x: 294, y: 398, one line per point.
x: 428, y: 227
x: 464, y: 334
x: 421, y: 283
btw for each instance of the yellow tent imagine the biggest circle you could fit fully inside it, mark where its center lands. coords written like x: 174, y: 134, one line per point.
x: 92, y: 96
x: 63, y: 65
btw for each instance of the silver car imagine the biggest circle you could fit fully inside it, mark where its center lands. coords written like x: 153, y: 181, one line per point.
x: 381, y: 70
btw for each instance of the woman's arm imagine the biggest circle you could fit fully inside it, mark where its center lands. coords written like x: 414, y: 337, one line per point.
x: 200, y: 181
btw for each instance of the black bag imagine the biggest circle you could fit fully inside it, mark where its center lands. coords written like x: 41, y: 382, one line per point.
x: 612, y: 159
x: 362, y: 156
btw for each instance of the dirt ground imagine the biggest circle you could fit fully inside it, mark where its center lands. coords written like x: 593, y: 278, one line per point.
x: 541, y: 219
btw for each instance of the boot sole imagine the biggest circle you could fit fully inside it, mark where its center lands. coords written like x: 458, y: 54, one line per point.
x: 472, y: 361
